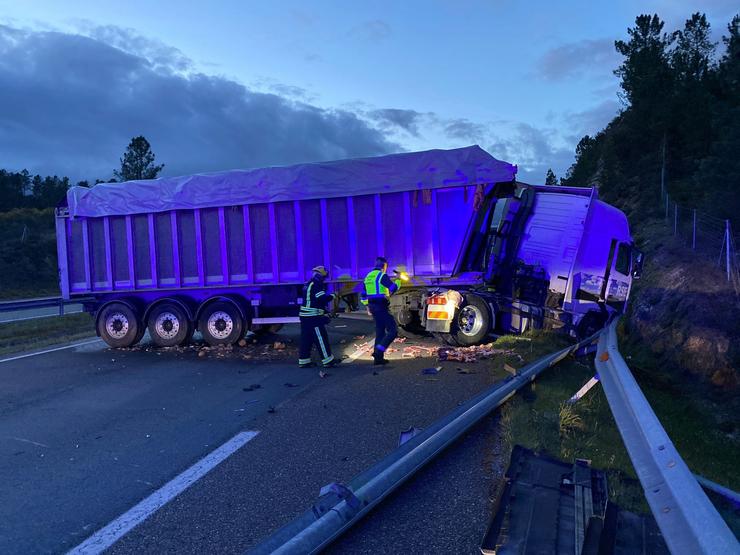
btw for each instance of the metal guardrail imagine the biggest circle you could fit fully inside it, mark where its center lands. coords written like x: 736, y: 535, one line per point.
x: 687, y: 519
x: 341, y: 506
x: 43, y: 302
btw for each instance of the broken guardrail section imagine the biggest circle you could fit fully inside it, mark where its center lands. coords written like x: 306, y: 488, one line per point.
x: 339, y: 507
x: 687, y: 519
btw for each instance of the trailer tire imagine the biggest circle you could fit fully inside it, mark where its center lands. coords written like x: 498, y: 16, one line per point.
x: 169, y: 325
x: 119, y: 326
x: 472, y: 322
x: 221, y: 323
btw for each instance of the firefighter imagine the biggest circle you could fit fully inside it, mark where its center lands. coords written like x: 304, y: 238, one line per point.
x: 378, y: 289
x: 314, y: 319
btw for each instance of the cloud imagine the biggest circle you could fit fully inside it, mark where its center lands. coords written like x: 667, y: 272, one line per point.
x: 465, y: 130
x: 592, y: 120
x: 69, y: 105
x: 575, y: 59
x: 373, y: 31
x: 533, y: 149
x: 398, y: 118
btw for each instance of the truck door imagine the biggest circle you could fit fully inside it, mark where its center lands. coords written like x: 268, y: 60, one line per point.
x: 619, y: 279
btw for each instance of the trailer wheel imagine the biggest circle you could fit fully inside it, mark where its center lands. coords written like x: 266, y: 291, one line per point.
x: 119, y: 326
x: 220, y: 323
x: 472, y: 322
x: 169, y: 325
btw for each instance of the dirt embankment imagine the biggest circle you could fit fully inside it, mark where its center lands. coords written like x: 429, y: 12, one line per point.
x: 684, y: 311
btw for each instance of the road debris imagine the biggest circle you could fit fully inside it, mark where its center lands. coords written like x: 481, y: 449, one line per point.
x: 271, y: 410
x: 289, y: 384
x: 252, y: 387
x: 474, y: 353
x: 464, y: 371
x: 323, y: 374
x: 432, y: 371
x: 418, y: 351
x: 406, y: 435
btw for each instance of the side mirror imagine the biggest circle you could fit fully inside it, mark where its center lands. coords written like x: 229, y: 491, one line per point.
x: 638, y: 257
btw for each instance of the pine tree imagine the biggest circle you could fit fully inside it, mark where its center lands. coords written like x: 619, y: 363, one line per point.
x: 138, y: 161
x: 550, y: 178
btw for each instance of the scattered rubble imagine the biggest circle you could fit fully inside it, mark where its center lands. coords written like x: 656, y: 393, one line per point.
x: 247, y: 349
x: 473, y: 353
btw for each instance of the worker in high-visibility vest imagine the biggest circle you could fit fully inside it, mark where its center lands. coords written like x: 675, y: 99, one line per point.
x: 378, y: 289
x: 313, y: 316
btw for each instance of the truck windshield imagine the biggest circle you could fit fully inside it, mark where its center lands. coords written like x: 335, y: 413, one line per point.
x: 624, y: 258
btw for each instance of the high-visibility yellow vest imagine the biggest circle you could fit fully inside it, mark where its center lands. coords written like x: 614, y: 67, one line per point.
x: 373, y: 288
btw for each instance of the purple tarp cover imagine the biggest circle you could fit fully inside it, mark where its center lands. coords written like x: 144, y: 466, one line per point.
x: 430, y: 169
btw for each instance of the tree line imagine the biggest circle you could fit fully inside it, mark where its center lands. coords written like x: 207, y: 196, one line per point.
x: 23, y: 190
x: 681, y: 114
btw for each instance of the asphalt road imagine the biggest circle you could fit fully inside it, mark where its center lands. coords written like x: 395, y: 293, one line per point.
x: 87, y: 433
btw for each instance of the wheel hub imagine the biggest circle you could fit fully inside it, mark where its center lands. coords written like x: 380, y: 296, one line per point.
x: 220, y: 325
x: 167, y: 325
x: 470, y: 320
x: 116, y: 324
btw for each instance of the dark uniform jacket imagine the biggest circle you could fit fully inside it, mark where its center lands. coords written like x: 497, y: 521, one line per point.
x: 315, y: 299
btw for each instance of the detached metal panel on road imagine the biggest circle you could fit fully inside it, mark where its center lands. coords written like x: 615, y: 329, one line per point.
x: 689, y: 522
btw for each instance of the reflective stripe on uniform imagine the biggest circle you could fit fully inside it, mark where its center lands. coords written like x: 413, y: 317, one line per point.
x: 327, y: 360
x: 308, y: 296
x: 304, y: 360
x: 374, y: 289
x: 311, y: 311
x: 321, y: 343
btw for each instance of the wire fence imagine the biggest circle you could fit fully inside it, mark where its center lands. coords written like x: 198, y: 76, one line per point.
x: 708, y: 236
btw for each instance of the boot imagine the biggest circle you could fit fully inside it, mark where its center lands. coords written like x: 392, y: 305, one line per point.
x: 379, y: 358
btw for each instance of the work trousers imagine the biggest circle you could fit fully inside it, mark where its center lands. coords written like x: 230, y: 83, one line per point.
x: 385, y: 326
x: 313, y: 332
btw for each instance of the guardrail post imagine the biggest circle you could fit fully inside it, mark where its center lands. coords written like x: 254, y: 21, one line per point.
x: 675, y: 218
x: 727, y: 247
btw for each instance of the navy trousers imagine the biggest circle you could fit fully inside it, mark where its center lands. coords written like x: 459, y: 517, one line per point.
x: 313, y: 332
x: 385, y: 326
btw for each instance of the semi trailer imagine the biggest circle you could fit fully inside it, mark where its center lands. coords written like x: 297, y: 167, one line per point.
x: 227, y: 252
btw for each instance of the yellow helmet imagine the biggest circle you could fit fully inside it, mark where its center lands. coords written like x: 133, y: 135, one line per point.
x: 321, y: 270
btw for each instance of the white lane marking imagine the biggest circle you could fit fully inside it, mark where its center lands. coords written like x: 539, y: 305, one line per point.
x: 108, y: 535
x: 361, y: 350
x: 51, y: 350
x: 29, y: 441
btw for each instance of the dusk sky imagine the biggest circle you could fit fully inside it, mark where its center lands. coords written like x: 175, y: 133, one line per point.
x: 236, y: 84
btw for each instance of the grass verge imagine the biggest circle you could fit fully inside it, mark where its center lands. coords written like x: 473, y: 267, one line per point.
x: 35, y: 334
x: 540, y: 420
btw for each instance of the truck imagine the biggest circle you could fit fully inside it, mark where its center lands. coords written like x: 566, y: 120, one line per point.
x: 226, y: 252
